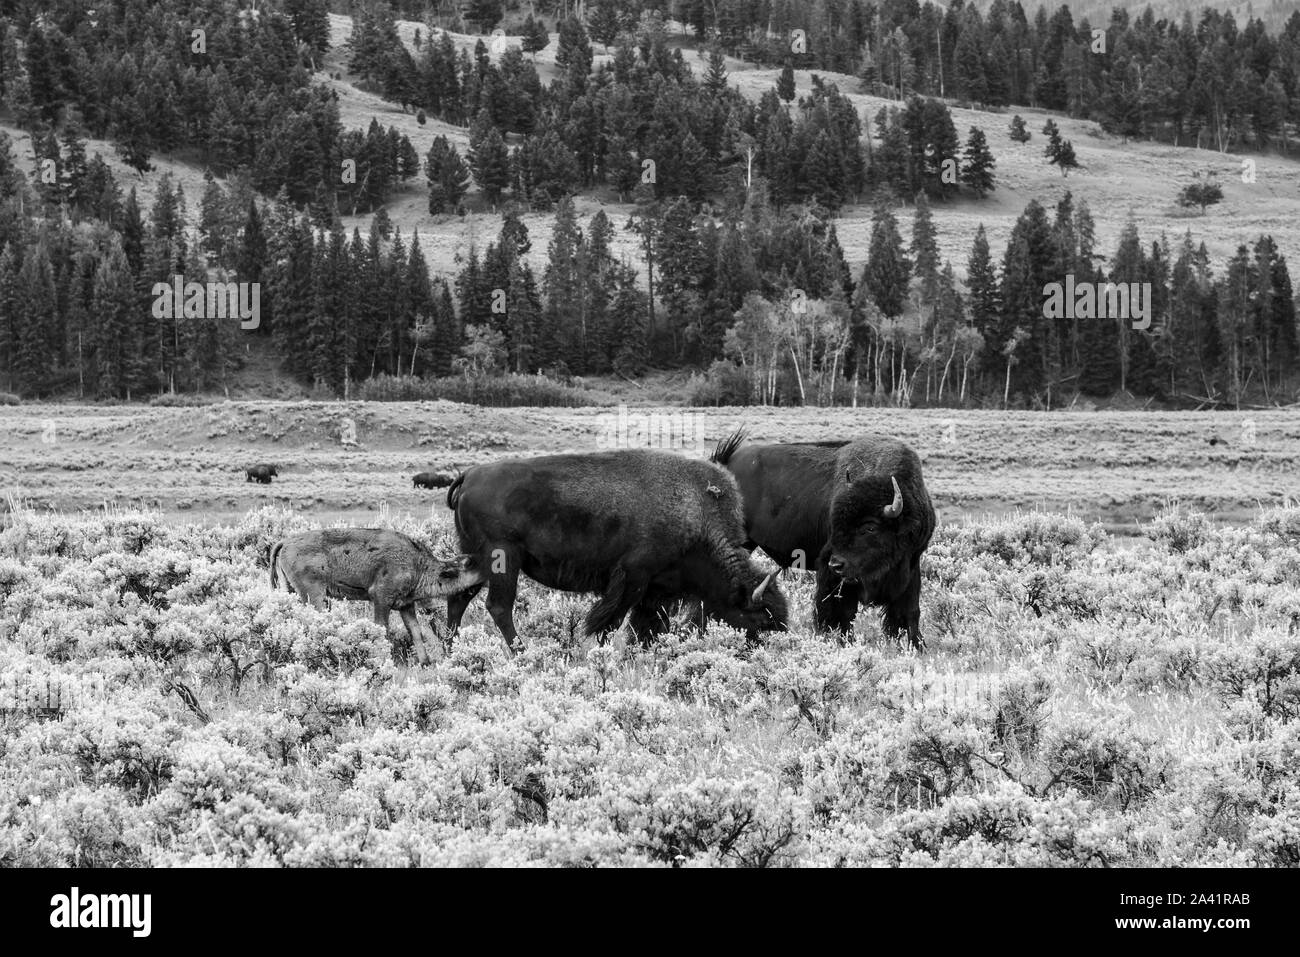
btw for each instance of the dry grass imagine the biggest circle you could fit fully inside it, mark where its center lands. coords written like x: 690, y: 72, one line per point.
x: 1116, y: 467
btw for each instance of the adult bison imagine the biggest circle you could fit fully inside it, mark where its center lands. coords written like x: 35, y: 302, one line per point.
x: 261, y: 474
x: 433, y: 480
x: 858, y: 512
x: 642, y: 528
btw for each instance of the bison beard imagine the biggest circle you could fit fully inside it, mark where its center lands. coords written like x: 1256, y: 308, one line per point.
x: 641, y: 528
x: 859, y: 509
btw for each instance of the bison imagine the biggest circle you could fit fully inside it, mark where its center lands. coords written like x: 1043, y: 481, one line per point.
x: 642, y: 528
x: 857, y: 511
x: 386, y: 568
x: 433, y: 480
x: 261, y: 473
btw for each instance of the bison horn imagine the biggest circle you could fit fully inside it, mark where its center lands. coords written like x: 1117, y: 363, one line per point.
x: 894, y: 508
x: 758, y: 592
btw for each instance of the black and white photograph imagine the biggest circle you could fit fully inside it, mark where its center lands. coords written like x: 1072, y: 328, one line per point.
x: 685, y: 434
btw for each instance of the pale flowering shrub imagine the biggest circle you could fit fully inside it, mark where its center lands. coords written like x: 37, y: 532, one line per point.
x: 1001, y: 827
x: 1077, y: 705
x: 1273, y: 837
x: 80, y: 826
x: 715, y: 678
x: 125, y: 743
x: 322, y: 703
x: 810, y: 684
x: 1264, y: 668
x: 1034, y: 537
x: 1179, y: 530
x: 422, y: 705
x: 478, y: 664
x: 747, y: 821
x: 1102, y: 757
x: 262, y: 527
x: 852, y: 774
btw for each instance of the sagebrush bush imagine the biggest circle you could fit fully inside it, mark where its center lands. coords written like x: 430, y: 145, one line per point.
x: 1080, y: 705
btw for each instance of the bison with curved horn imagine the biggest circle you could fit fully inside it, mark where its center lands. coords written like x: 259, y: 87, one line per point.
x: 857, y: 512
x: 390, y: 570
x: 642, y: 528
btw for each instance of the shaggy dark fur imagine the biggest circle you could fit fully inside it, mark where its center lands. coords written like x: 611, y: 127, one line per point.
x: 642, y: 528
x: 820, y: 506
x: 260, y: 473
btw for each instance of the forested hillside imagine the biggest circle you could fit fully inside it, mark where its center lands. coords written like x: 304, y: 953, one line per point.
x: 788, y: 199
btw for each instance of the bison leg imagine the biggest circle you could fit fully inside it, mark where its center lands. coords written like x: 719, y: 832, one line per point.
x: 456, y: 605
x: 415, y: 628
x: 382, y: 611
x: 903, y: 613
x: 835, y: 603
x: 502, y: 589
x: 649, y: 619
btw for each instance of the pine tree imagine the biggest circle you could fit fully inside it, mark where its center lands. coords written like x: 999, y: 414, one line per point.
x: 1027, y: 267
x: 628, y: 327
x: 535, y: 38
x: 977, y: 164
x: 448, y: 176
x: 11, y: 306
x: 984, y: 297
x: 563, y: 334
x: 925, y: 250
x: 785, y: 87
x: 1018, y: 130
x: 489, y: 161
x: 114, y: 309
x: 886, y: 273
x: 603, y: 21
x: 715, y: 78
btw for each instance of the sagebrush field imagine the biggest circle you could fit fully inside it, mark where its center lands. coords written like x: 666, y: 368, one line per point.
x: 1080, y: 704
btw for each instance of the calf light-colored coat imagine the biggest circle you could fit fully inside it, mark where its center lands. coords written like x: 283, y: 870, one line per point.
x: 390, y: 570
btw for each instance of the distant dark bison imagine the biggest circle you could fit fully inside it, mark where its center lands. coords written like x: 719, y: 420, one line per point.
x: 858, y: 513
x: 433, y: 479
x: 642, y: 528
x: 261, y: 473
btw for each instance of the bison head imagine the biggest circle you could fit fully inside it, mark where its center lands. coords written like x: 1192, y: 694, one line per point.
x: 757, y: 605
x: 453, y: 575
x: 868, y: 516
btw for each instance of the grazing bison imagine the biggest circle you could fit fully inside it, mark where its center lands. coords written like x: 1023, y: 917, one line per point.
x: 640, y: 527
x: 260, y: 473
x: 386, y: 568
x: 433, y: 480
x: 857, y: 512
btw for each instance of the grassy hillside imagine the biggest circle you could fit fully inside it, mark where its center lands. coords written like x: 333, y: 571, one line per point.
x: 1119, y: 180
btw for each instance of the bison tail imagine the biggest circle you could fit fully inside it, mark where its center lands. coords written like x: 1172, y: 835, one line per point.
x: 453, y: 491
x: 727, y: 447
x: 275, y: 556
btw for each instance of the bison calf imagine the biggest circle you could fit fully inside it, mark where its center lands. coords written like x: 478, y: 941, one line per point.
x: 390, y: 570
